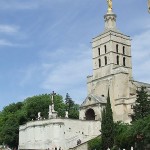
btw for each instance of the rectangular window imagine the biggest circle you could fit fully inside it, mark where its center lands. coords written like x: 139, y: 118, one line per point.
x: 117, y: 48
x: 99, y: 51
x: 105, y: 48
x: 123, y: 50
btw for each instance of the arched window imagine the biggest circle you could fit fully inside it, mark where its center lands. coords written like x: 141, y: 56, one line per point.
x: 123, y: 50
x: 99, y: 51
x: 105, y: 48
x: 99, y: 63
x: 117, y: 48
x: 117, y: 60
x: 124, y: 61
x: 105, y: 60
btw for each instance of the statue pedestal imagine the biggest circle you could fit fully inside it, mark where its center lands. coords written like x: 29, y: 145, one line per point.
x: 110, y: 20
x: 53, y: 115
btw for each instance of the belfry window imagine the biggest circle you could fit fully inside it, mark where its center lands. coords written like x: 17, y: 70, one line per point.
x: 105, y: 48
x: 117, y: 48
x: 117, y: 60
x: 99, y: 51
x: 105, y: 60
x: 124, y: 61
x: 99, y: 63
x: 123, y: 50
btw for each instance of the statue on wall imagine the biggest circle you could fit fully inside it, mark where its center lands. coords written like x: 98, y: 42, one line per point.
x: 109, y: 2
x: 66, y: 114
x: 39, y: 115
x: 52, y: 113
x: 52, y: 97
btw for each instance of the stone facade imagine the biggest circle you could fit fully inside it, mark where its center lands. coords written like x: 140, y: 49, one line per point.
x: 91, y: 108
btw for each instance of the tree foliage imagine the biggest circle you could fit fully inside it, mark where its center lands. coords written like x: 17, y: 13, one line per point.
x: 35, y: 104
x: 141, y: 108
x: 107, y: 126
x: 95, y: 144
x: 71, y: 107
x: 128, y: 135
x: 69, y: 102
x: 123, y: 136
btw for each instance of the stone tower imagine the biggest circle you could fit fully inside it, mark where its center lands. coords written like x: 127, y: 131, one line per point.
x: 112, y: 68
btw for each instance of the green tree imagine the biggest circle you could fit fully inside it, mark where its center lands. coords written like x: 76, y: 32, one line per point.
x: 71, y: 107
x: 141, y: 108
x: 9, y: 124
x: 141, y: 131
x: 10, y: 131
x: 107, y: 126
x: 59, y: 105
x: 95, y: 144
x: 74, y: 112
x: 69, y: 102
x: 35, y: 104
x: 137, y: 133
x: 123, y: 137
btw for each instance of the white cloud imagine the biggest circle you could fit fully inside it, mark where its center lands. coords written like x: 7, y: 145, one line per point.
x: 63, y: 70
x: 4, y: 42
x: 17, y: 4
x: 8, y: 28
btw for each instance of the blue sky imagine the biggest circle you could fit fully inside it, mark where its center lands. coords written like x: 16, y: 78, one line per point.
x: 45, y: 44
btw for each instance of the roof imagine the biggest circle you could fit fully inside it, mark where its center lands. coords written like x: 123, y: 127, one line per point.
x: 139, y: 84
x: 94, y: 99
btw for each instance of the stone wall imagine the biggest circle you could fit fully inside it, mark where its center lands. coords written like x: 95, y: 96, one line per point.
x: 83, y: 146
x: 44, y: 134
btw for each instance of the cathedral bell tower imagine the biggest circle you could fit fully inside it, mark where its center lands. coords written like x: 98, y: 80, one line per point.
x: 112, y: 68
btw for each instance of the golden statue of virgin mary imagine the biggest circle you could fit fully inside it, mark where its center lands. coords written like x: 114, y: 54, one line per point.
x: 109, y: 2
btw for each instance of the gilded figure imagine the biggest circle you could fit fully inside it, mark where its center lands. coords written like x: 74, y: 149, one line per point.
x: 109, y: 2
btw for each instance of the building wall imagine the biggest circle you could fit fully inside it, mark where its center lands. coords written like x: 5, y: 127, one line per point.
x: 112, y: 76
x: 63, y: 133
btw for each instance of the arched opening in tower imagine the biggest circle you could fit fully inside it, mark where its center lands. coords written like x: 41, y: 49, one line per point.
x: 90, y: 114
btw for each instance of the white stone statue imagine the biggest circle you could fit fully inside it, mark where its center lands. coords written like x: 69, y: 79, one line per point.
x: 39, y: 115
x: 66, y: 114
x: 53, y: 108
x: 50, y: 112
x: 53, y: 102
x: 50, y: 109
x: 108, y: 148
x: 131, y: 148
